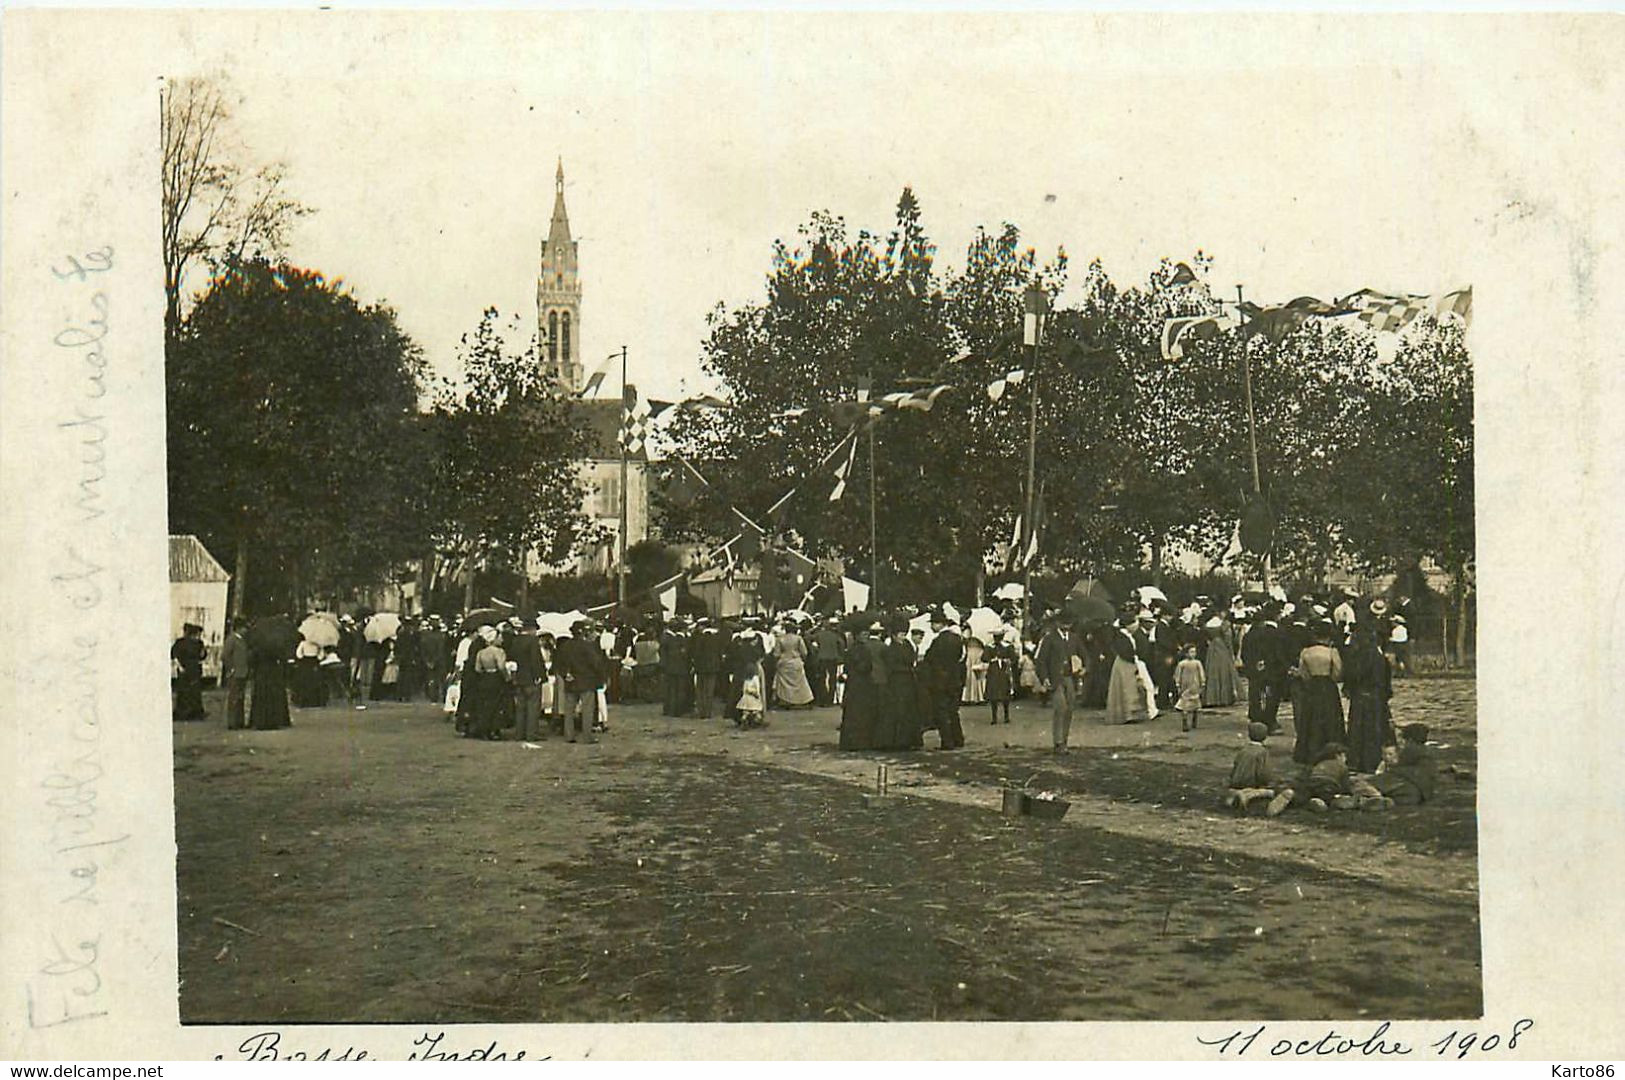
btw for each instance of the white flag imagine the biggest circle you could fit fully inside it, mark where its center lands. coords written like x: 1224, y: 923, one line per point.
x: 854, y: 594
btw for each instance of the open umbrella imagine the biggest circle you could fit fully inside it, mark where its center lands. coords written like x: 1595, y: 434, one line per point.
x: 983, y: 621
x: 320, y: 630
x: 485, y: 616
x: 1009, y: 591
x: 557, y: 623
x: 1148, y: 593
x: 1089, y: 602
x: 383, y: 626
x: 273, y: 635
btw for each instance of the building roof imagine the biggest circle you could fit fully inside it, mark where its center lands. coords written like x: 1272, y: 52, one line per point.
x: 602, y: 419
x: 190, y: 561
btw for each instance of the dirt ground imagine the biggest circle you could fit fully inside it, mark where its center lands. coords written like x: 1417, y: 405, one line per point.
x: 377, y: 868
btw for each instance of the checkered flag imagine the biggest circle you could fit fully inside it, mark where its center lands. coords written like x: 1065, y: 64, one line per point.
x: 634, y: 421
x: 1391, y: 314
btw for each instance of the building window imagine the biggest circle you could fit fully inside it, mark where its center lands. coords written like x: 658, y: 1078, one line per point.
x: 564, y: 338
x: 553, y: 336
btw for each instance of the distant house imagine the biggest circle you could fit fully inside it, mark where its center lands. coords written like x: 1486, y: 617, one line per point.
x: 197, y: 594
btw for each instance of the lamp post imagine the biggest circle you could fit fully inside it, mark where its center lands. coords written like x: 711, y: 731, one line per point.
x: 1035, y: 305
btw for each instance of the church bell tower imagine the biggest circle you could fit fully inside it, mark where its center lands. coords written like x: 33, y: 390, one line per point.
x: 558, y: 296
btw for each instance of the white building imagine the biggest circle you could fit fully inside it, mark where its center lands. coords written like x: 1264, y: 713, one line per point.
x: 197, y: 594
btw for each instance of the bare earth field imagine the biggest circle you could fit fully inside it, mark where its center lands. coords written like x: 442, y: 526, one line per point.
x: 380, y: 869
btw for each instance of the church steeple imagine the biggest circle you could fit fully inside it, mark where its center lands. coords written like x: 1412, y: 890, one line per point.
x: 558, y: 295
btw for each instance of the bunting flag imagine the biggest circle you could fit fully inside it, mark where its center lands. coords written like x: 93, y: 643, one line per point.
x: 1191, y: 327
x: 635, y: 416
x: 1277, y: 322
x: 596, y: 379
x: 1390, y: 314
x: 843, y: 471
x: 1013, y: 550
x: 1014, y: 377
x: 703, y: 403
x: 854, y: 594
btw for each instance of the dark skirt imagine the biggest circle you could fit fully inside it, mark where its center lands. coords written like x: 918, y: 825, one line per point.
x: 485, y: 692
x: 903, y: 705
x: 858, y: 711
x: 308, y: 689
x: 269, y: 710
x: 1097, y: 681
x: 1317, y: 717
x: 189, y: 697
x: 1369, y: 731
x: 1223, y: 683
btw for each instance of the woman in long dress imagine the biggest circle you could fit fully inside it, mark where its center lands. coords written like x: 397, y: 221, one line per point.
x: 1097, y: 671
x: 1367, y: 683
x: 790, y: 685
x: 305, y: 685
x: 1223, y: 682
x: 1127, y: 694
x: 187, y: 655
x: 860, y: 702
x: 487, y: 687
x: 269, y: 654
x: 900, y: 725
x: 975, y: 672
x: 1317, y: 716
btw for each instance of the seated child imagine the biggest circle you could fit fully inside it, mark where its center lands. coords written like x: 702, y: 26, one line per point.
x: 751, y: 702
x: 1252, y: 778
x: 1412, y: 779
x: 1331, y: 784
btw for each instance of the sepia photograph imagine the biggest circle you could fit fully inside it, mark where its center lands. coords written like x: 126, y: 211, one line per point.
x: 863, y: 569
x: 786, y: 534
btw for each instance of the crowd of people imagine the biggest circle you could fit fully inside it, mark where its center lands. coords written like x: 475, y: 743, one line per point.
x: 896, y: 678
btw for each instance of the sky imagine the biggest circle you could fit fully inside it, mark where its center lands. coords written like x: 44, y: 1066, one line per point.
x: 1306, y: 155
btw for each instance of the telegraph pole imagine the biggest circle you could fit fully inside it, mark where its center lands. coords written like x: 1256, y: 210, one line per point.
x: 1035, y: 304
x: 1252, y: 434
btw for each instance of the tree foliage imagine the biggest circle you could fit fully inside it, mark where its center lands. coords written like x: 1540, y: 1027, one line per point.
x: 293, y: 430
x: 1361, y: 460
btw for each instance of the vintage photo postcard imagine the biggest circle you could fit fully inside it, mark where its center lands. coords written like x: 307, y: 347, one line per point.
x: 935, y: 534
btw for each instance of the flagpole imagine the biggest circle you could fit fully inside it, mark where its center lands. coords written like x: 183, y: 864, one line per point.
x: 1034, y: 306
x: 874, y: 543
x: 1252, y: 426
x: 620, y: 592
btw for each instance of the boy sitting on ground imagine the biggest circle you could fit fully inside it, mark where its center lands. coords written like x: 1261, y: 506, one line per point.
x: 1411, y: 779
x: 1331, y: 785
x: 1251, y: 777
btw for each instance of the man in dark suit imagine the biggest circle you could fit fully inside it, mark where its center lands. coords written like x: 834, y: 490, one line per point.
x: 945, y: 668
x: 525, y: 652
x: 1263, y: 656
x: 705, y: 657
x: 827, y: 653
x: 1054, y: 667
x: 582, y: 669
x: 676, y: 669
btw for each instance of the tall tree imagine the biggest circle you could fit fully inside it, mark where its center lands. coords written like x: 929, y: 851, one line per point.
x: 506, y: 478
x: 293, y: 430
x: 215, y: 209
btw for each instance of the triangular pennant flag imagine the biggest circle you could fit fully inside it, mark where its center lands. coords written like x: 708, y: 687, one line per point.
x: 596, y: 379
x: 996, y: 388
x: 844, y: 471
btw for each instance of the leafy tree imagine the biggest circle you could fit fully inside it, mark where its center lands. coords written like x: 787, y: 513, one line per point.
x: 505, y: 477
x: 292, y: 431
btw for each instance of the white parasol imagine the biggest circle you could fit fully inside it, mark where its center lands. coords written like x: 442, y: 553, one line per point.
x: 383, y: 626
x: 320, y: 629
x: 1009, y: 591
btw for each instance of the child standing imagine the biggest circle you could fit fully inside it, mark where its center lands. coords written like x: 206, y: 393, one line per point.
x: 1191, y: 679
x: 1252, y: 778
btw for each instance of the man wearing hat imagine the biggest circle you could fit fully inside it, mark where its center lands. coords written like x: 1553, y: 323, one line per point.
x: 1264, y: 656
x: 945, y: 668
x: 582, y: 670
x: 435, y: 651
x: 676, y: 668
x: 705, y: 657
x: 828, y: 652
x: 1056, y: 670
x: 525, y: 657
